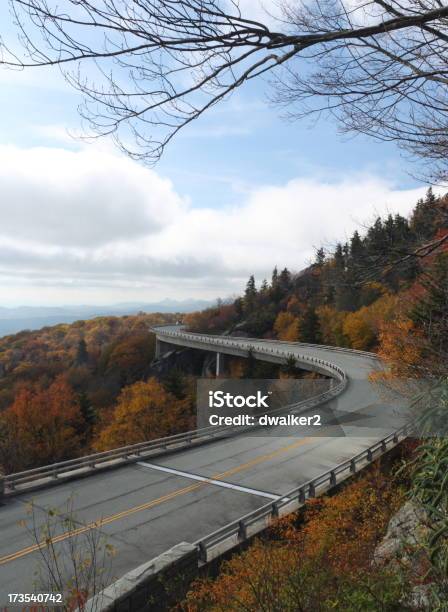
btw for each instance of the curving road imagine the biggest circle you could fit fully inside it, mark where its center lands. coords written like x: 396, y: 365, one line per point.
x: 147, y: 507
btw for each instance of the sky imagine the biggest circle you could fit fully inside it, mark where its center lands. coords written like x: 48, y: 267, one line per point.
x: 238, y: 192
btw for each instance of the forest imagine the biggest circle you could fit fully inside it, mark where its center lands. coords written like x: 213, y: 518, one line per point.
x: 355, y: 294
x: 76, y: 388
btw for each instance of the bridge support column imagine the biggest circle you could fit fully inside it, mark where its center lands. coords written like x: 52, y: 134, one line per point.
x: 219, y: 358
x: 162, y: 348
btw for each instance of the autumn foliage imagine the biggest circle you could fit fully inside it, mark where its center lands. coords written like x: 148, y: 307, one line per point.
x: 43, y: 425
x: 144, y: 411
x: 68, y: 389
x: 322, y: 563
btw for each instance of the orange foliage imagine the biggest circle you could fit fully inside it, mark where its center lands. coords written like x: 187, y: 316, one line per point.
x: 337, y: 540
x: 212, y: 320
x: 144, y: 411
x: 286, y: 326
x: 40, y: 356
x: 401, y: 347
x: 41, y: 426
x: 362, y: 327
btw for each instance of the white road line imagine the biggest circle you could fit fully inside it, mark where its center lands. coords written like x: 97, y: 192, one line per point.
x: 219, y: 483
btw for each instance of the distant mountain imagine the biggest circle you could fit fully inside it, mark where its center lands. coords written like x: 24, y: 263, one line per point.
x: 16, y: 319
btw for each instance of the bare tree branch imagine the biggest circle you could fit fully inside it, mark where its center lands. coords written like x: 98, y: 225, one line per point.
x: 147, y: 68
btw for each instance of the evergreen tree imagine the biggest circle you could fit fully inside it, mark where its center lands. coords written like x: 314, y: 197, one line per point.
x: 376, y: 243
x: 356, y: 247
x: 250, y: 295
x: 82, y: 355
x: 338, y: 257
x: 309, y: 326
x: 276, y: 291
x: 175, y: 383
x: 284, y: 280
x: 424, y: 220
x: 289, y: 368
x: 88, y: 412
x: 430, y: 312
x: 239, y: 307
x: 320, y: 257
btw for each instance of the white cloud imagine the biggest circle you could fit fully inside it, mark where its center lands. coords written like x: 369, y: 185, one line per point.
x: 80, y: 198
x: 89, y: 223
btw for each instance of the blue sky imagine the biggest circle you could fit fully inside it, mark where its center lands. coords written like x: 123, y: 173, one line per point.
x: 237, y: 192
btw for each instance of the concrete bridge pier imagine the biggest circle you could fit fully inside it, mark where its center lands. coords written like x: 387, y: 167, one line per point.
x: 162, y: 348
x: 219, y: 358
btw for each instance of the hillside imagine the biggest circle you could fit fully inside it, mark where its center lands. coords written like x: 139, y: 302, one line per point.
x: 350, y: 292
x: 62, y: 389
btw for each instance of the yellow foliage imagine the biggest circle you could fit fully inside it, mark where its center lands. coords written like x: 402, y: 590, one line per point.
x: 286, y: 327
x: 144, y: 411
x: 362, y: 327
x: 331, y: 323
x: 401, y: 347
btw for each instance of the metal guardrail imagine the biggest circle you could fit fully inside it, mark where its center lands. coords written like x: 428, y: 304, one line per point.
x: 41, y: 476
x: 161, y: 329
x: 237, y: 344
x: 234, y: 533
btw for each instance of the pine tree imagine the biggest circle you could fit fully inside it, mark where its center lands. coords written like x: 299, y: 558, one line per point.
x: 424, y: 220
x: 88, y: 411
x: 338, y: 257
x: 285, y: 280
x: 175, y: 383
x: 376, y: 242
x: 289, y: 368
x: 250, y: 295
x: 239, y: 306
x: 320, y: 257
x: 309, y: 326
x: 276, y: 292
x: 430, y: 312
x: 82, y: 355
x: 356, y: 248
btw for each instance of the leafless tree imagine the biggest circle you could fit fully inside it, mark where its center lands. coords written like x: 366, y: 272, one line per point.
x: 74, y: 559
x: 147, y: 68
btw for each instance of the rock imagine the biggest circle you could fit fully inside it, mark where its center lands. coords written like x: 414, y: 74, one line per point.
x: 420, y: 597
x: 402, y: 549
x: 405, y: 535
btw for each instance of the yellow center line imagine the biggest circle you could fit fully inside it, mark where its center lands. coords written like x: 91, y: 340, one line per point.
x: 150, y: 504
